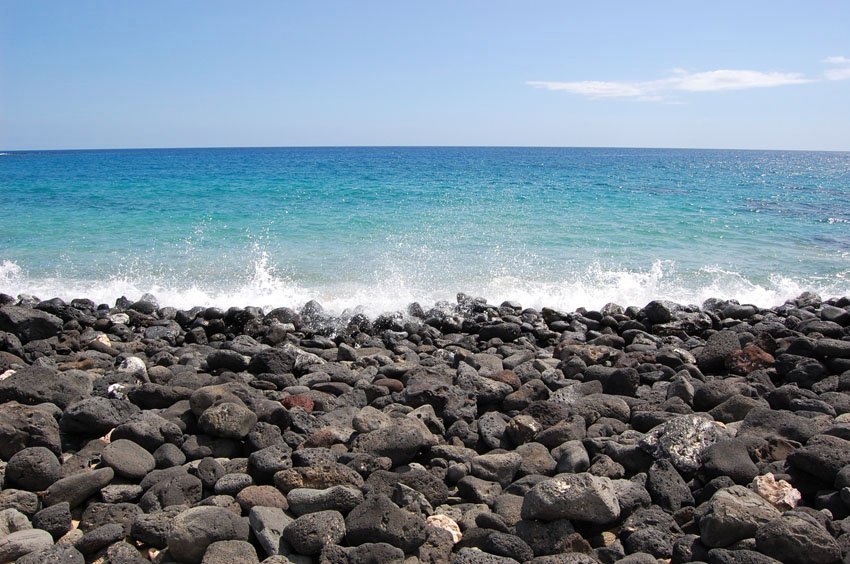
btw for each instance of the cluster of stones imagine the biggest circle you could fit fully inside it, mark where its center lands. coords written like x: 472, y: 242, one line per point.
x: 466, y: 433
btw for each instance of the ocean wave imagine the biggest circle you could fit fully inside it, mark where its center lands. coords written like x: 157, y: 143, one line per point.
x: 592, y: 288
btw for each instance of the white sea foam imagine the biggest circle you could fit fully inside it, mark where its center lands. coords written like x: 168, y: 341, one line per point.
x: 394, y: 290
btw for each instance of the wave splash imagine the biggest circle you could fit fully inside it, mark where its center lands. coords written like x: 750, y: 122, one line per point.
x: 391, y: 291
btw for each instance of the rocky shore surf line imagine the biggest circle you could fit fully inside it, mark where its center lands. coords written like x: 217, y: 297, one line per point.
x: 468, y: 433
x: 263, y: 285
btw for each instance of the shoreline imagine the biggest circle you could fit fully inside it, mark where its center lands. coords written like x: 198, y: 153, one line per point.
x: 459, y: 432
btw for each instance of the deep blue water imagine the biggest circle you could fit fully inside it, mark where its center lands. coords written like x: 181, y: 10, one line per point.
x: 381, y: 227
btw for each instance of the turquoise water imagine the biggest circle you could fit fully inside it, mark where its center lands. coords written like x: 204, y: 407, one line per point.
x: 381, y: 227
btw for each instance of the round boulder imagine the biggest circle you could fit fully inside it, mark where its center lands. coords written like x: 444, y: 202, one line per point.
x: 33, y: 469
x: 195, y: 529
x: 228, y: 420
x: 128, y: 459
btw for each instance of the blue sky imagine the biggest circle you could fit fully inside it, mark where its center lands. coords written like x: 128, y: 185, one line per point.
x: 96, y: 74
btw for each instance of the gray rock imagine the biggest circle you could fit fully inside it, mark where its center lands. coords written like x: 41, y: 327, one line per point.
x: 227, y: 552
x: 733, y: 514
x: 77, y: 488
x: 96, y: 416
x: 400, y: 443
x: 501, y: 467
x: 179, y: 489
x: 36, y: 384
x: 384, y: 482
x: 823, y: 456
x: 55, y: 554
x: 507, y: 332
x: 579, y: 497
x: 712, y: 358
x: 233, y: 483
x: 22, y: 426
x: 148, y: 430
x: 477, y: 490
x: 374, y: 552
x: 152, y: 529
x: 29, y: 324
x: 195, y: 529
x: 729, y: 458
x: 338, y: 498
x: 99, y: 538
x: 765, y: 423
x: 12, y: 520
x: 34, y: 469
x: 21, y: 543
x: 308, y: 534
x: 55, y: 519
x: 475, y: 556
x: 128, y: 459
x: 21, y: 500
x: 268, y: 524
x: 99, y: 514
x: 227, y: 360
x: 228, y: 420
x: 729, y: 556
x: 123, y: 552
x: 667, y: 487
x: 378, y: 519
x: 794, y: 539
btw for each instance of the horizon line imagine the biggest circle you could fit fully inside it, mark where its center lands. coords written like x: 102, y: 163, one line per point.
x: 628, y: 147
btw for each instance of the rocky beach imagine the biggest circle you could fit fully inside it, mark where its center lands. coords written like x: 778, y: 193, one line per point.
x: 466, y: 432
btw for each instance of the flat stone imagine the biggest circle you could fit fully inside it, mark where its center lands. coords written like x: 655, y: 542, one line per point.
x: 268, y: 524
x: 77, y: 488
x: 128, y: 459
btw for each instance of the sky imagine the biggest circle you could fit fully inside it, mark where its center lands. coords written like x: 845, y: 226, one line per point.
x: 723, y: 74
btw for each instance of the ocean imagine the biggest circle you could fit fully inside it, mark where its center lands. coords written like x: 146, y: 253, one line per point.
x: 379, y: 228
